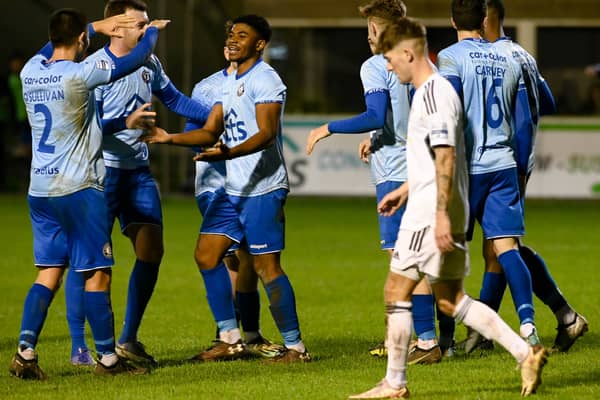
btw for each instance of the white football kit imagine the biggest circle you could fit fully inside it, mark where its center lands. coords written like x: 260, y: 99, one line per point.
x: 436, y: 119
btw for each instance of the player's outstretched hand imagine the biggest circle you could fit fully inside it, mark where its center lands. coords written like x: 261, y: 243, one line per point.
x: 114, y: 26
x: 443, y: 232
x: 160, y: 24
x: 364, y: 150
x: 156, y: 135
x: 141, y: 118
x: 314, y: 136
x: 217, y: 153
x: 393, y: 201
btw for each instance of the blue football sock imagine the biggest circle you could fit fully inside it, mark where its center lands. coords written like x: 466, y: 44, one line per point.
x: 220, y: 298
x: 35, y: 311
x: 98, y: 312
x: 283, y: 309
x: 141, y: 285
x: 447, y: 328
x: 492, y: 289
x: 544, y: 286
x: 519, y: 282
x: 74, y: 287
x: 249, y: 307
x: 423, y: 316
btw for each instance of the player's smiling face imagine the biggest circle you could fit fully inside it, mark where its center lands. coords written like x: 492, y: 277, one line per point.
x: 132, y: 36
x: 243, y: 42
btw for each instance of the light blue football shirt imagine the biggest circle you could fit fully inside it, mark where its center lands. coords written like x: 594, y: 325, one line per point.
x: 66, y: 133
x: 532, y: 79
x: 264, y: 171
x: 210, y: 176
x: 388, y: 145
x: 489, y: 82
x: 120, y: 99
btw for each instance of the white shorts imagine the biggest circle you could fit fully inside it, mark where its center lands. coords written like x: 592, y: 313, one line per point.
x: 416, y: 255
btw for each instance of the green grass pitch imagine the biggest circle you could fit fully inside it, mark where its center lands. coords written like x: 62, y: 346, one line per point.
x: 336, y: 267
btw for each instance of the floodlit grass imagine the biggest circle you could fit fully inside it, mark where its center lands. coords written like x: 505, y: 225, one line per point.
x: 337, y: 270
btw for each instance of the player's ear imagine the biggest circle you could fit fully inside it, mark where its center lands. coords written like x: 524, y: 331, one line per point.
x: 260, y: 45
x: 485, y: 24
x: 453, y: 23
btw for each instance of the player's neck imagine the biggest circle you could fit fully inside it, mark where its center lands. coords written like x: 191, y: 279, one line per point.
x: 423, y: 70
x: 462, y: 35
x: 245, y: 65
x: 63, y: 53
x: 118, y: 48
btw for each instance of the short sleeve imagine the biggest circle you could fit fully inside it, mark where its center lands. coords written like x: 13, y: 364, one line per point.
x: 268, y: 88
x: 97, y: 69
x: 447, y: 64
x: 443, y: 121
x: 372, y: 78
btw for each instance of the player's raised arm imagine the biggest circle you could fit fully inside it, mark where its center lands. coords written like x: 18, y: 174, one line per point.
x: 113, y: 26
x: 315, y: 136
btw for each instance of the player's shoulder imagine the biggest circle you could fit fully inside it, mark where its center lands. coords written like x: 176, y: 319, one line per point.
x: 262, y: 75
x: 101, y: 59
x: 376, y: 62
x: 209, y: 83
x: 437, y: 90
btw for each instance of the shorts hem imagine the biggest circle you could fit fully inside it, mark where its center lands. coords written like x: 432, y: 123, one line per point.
x: 221, y: 234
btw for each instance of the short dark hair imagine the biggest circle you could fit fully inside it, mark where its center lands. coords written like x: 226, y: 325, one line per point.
x: 498, y: 6
x: 258, y: 23
x: 468, y: 15
x: 116, y: 7
x: 65, y: 26
x: 401, y: 29
x: 384, y: 9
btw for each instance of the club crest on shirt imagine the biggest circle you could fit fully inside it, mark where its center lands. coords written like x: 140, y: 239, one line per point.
x: 107, y: 250
x: 240, y: 90
x: 146, y: 76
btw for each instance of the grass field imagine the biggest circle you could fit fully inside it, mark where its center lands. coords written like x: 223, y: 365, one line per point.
x: 337, y: 270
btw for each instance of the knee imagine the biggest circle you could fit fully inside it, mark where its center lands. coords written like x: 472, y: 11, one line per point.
x: 446, y: 307
x: 205, y: 260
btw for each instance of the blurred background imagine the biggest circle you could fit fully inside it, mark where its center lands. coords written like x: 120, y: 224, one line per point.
x: 317, y: 48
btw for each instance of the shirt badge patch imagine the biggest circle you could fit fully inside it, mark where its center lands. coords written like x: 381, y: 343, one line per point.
x: 103, y: 65
x: 240, y: 90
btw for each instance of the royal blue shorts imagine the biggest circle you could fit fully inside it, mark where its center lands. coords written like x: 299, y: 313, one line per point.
x: 495, y: 202
x: 203, y: 200
x: 132, y: 196
x: 258, y: 220
x: 71, y: 230
x: 388, y: 226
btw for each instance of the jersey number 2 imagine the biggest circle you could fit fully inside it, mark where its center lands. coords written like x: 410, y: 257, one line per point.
x: 42, y: 146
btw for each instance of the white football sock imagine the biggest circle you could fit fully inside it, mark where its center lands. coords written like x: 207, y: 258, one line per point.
x: 231, y: 337
x: 299, y: 347
x: 108, y: 360
x: 526, y: 329
x: 27, y: 353
x: 484, y: 320
x: 398, y: 334
x: 427, y: 344
x: 565, y: 315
